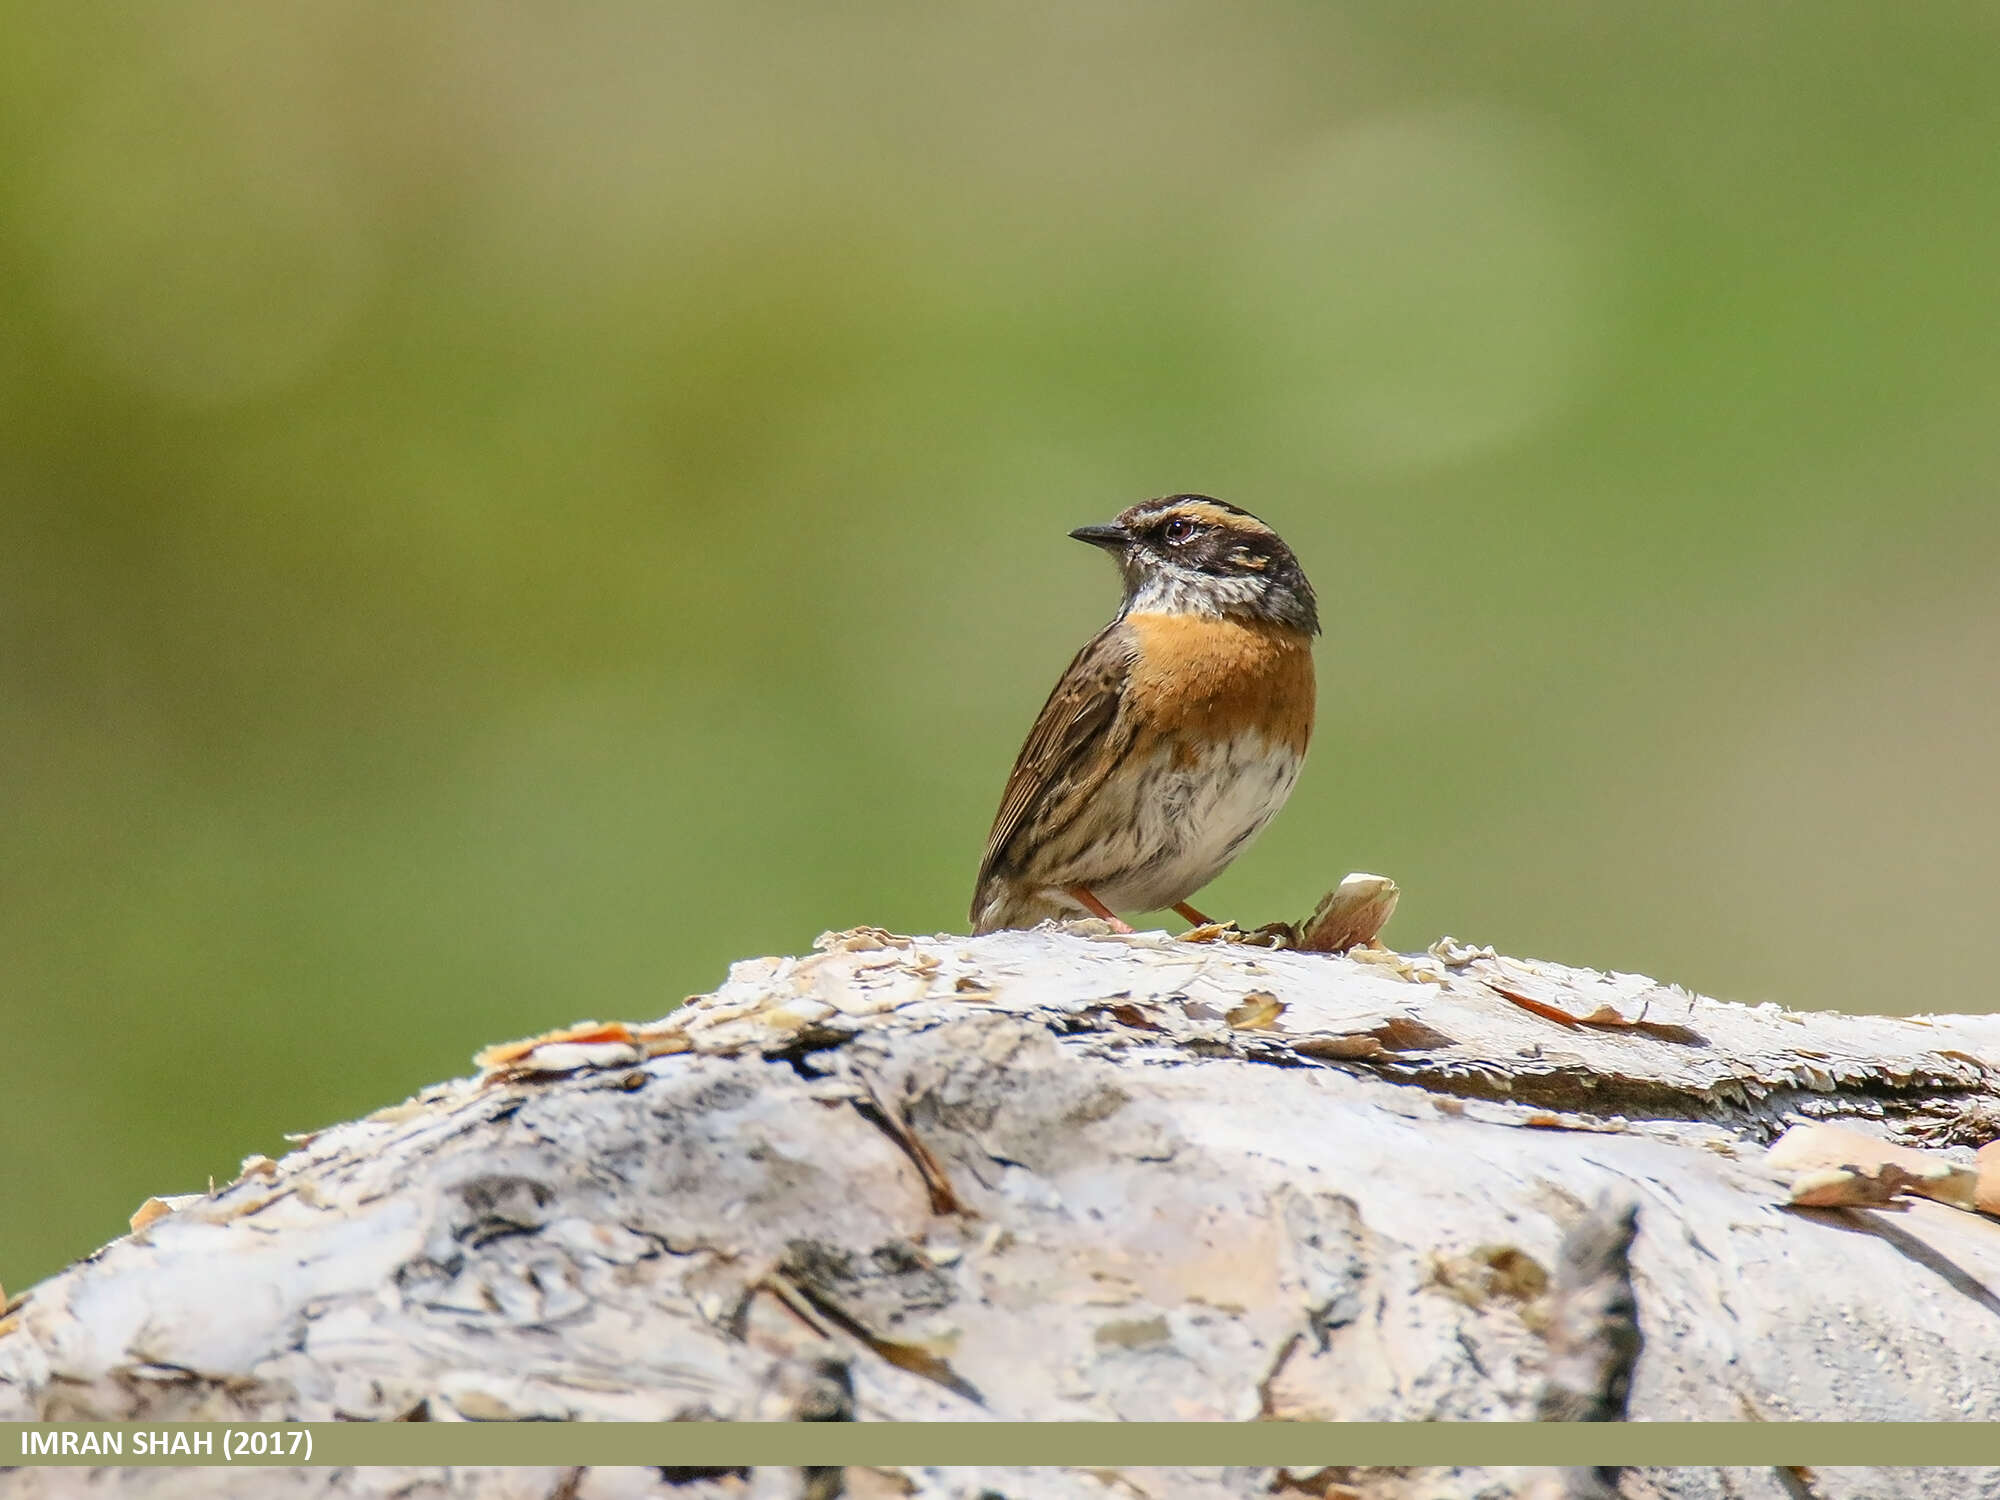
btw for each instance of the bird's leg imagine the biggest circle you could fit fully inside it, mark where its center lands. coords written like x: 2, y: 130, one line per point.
x: 1192, y: 915
x: 1081, y: 895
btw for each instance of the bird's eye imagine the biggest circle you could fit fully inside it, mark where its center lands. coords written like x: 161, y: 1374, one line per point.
x: 1178, y: 531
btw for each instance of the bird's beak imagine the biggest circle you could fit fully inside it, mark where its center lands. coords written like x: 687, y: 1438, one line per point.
x: 1112, y: 538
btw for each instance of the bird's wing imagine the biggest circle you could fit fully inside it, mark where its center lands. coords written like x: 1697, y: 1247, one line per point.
x: 1071, y: 744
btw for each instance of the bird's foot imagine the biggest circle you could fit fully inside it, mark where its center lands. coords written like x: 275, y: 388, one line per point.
x: 1081, y: 894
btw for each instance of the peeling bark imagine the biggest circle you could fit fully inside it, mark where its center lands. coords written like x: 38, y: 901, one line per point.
x: 1063, y: 1175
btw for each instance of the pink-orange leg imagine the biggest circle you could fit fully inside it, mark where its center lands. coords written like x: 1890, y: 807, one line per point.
x: 1192, y: 915
x: 1082, y: 896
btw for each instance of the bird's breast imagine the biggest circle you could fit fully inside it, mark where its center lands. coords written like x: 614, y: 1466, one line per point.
x: 1214, y: 682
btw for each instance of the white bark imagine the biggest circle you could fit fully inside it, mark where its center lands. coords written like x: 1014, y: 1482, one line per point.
x: 1047, y: 1176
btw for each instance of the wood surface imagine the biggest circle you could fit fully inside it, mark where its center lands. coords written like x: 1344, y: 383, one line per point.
x: 1064, y: 1175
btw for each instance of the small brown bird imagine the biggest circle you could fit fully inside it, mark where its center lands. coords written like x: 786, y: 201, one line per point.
x: 1174, y: 735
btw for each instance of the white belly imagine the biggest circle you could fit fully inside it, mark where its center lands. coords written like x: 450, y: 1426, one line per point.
x: 1186, y: 824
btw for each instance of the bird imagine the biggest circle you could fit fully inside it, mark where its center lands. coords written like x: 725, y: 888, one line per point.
x: 1174, y: 735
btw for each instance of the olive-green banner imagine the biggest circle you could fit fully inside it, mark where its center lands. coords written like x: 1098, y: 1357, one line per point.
x: 1094, y: 1445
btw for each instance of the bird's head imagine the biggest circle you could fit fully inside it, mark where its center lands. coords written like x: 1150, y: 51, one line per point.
x: 1188, y: 554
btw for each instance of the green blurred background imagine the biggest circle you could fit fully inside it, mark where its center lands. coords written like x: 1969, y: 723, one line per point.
x: 504, y: 509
